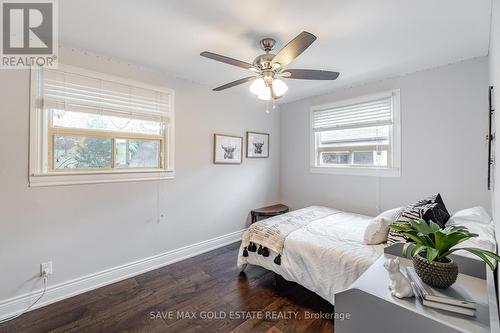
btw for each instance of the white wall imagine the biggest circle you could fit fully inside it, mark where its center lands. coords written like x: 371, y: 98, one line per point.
x: 444, y: 123
x: 494, y: 62
x: 85, y: 229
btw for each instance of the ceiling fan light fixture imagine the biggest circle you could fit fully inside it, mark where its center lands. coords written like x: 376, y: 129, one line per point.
x: 258, y: 87
x: 265, y: 95
x: 279, y: 87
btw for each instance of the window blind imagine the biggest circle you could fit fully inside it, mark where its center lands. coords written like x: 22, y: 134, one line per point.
x: 75, y: 92
x: 364, y: 114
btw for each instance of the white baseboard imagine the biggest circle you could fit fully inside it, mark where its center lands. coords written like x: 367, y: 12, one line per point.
x: 80, y: 285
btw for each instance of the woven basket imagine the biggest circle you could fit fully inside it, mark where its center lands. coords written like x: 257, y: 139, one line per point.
x: 436, y: 274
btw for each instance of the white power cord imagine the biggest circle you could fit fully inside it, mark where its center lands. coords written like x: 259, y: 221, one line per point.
x: 45, y: 283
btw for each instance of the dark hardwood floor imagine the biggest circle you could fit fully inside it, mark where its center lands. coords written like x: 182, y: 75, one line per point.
x: 179, y: 297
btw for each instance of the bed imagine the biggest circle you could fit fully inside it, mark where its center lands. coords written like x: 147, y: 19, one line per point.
x: 325, y: 255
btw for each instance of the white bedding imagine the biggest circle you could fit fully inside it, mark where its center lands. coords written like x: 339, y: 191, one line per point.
x: 326, y: 256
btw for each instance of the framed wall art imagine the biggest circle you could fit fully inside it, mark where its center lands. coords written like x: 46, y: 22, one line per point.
x: 257, y: 145
x: 227, y: 149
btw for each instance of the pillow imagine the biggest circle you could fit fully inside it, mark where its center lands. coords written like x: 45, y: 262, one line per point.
x: 475, y: 214
x: 479, y: 222
x: 429, y: 209
x: 376, y: 231
x: 436, y: 211
x: 432, y: 212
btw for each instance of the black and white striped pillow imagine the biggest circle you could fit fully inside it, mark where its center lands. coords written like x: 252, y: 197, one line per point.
x: 429, y: 209
x: 411, y: 212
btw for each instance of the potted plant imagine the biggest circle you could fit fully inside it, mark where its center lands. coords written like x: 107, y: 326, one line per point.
x: 430, y: 247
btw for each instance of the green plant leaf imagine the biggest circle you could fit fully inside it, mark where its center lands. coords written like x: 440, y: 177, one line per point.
x: 432, y: 254
x: 406, y: 247
x: 416, y: 238
x: 400, y: 227
x: 480, y: 253
x: 445, y: 240
x: 429, y: 241
x: 454, y: 228
x: 433, y: 226
x: 417, y: 249
x: 490, y: 254
x: 422, y: 227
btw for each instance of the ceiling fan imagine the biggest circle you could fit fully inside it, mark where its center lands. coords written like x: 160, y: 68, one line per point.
x: 268, y: 68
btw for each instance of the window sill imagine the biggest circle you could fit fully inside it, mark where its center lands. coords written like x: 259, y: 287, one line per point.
x: 358, y: 171
x: 77, y: 178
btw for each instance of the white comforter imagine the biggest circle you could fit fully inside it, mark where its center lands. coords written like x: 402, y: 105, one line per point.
x: 326, y: 256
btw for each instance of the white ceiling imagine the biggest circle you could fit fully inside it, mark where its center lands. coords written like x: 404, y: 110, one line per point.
x: 362, y: 39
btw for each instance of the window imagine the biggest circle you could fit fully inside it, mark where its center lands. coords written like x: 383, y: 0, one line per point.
x: 357, y: 137
x: 87, y: 127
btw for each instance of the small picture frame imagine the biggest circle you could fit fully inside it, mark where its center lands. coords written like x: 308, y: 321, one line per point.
x: 257, y: 145
x: 228, y: 149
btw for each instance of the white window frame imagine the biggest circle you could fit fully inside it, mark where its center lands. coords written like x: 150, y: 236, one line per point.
x: 39, y: 175
x: 352, y: 170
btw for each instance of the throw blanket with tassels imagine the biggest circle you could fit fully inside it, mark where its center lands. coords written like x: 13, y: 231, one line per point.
x: 270, y: 234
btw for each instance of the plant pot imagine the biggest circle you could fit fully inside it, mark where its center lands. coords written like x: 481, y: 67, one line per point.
x: 436, y: 274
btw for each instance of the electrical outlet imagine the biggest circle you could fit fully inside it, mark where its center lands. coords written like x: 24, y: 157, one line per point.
x: 46, y: 268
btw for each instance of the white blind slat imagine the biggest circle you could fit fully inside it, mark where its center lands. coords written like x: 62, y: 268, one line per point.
x: 382, y: 115
x: 95, y: 93
x: 360, y: 106
x: 386, y: 109
x: 55, y: 101
x: 68, y: 90
x: 62, y: 92
x: 364, y: 114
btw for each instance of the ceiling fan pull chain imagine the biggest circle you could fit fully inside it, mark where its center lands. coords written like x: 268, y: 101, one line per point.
x: 267, y: 106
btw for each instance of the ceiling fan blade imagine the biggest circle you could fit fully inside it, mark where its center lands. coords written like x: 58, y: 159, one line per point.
x: 309, y: 74
x: 228, y: 60
x: 235, y: 83
x: 294, y: 48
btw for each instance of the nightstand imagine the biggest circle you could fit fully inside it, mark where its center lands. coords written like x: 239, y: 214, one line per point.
x: 268, y: 211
